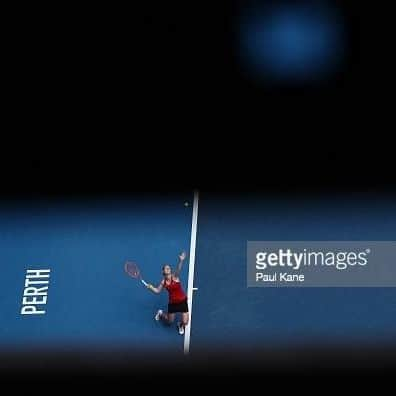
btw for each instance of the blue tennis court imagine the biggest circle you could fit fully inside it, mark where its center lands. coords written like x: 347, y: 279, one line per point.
x: 92, y: 303
x: 227, y: 314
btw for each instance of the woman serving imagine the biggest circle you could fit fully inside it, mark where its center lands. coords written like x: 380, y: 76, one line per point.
x: 177, y: 296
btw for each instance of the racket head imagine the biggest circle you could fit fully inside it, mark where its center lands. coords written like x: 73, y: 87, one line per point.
x: 132, y: 269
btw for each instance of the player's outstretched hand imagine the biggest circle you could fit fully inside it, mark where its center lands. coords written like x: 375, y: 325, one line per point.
x: 182, y: 256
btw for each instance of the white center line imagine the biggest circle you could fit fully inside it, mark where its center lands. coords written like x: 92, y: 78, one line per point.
x: 190, y: 287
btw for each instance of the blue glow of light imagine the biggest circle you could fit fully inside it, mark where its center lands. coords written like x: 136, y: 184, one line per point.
x: 291, y: 43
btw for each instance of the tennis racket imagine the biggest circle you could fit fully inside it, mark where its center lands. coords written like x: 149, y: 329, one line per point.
x: 133, y: 271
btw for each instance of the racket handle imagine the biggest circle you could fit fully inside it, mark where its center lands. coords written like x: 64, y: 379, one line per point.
x: 144, y: 283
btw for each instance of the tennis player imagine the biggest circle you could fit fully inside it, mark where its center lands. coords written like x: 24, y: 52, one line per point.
x: 177, y: 297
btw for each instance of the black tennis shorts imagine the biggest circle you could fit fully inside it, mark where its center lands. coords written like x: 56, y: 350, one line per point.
x: 178, y: 307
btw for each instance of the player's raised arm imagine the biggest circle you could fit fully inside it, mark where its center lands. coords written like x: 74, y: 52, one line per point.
x: 182, y: 257
x: 157, y: 289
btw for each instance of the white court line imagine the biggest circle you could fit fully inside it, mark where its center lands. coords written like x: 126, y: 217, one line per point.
x: 190, y: 287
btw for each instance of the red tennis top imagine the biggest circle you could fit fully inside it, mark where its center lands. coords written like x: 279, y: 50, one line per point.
x: 176, y: 292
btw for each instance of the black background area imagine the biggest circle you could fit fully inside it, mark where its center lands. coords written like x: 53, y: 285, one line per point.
x: 154, y: 97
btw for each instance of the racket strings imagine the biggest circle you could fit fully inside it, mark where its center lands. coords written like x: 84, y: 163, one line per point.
x: 132, y: 269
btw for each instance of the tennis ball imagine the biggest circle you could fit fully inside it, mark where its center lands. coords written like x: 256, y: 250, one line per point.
x: 185, y: 204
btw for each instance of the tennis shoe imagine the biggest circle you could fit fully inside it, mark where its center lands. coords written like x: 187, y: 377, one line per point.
x: 158, y: 315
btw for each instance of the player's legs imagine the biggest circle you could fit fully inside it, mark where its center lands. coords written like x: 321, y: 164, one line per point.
x: 168, y: 318
x: 184, y: 318
x: 183, y: 323
x: 165, y: 317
